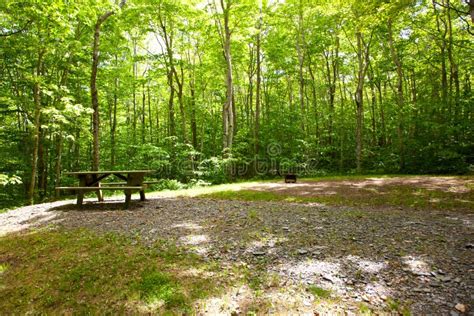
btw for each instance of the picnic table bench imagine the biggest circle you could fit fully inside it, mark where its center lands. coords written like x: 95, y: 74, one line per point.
x: 91, y: 181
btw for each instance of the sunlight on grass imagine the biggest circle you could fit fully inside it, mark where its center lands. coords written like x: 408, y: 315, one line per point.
x: 393, y: 195
x: 204, y: 190
x: 158, y: 289
x: 54, y: 272
x: 319, y: 291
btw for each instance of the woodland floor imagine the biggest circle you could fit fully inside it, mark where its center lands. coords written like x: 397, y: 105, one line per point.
x: 359, y: 245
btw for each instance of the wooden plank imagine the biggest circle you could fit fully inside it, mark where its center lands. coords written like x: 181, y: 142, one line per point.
x: 101, y: 188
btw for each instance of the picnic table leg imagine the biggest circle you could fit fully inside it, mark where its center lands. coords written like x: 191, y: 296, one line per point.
x: 80, y: 193
x: 128, y: 197
x: 134, y: 180
x: 100, y: 195
x: 80, y: 197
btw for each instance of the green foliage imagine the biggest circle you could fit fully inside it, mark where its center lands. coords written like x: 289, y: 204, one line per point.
x: 168, y: 184
x: 307, y: 119
x: 6, y: 180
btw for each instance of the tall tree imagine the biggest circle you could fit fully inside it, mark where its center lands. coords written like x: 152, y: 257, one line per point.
x: 93, y: 85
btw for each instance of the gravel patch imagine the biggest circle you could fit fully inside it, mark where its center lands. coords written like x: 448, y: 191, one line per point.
x: 419, y: 258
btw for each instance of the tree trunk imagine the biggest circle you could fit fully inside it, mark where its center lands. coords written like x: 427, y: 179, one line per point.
x: 171, y: 122
x: 331, y: 59
x: 150, y: 118
x: 42, y: 166
x: 442, y: 46
x: 258, y: 96
x: 454, y: 73
x: 314, y: 98
x: 134, y: 92
x: 93, y: 85
x: 373, y: 104
x: 228, y: 108
x: 180, y: 83
x: 300, y: 50
x: 36, y: 132
x: 113, y: 127
x: 400, y: 95
x: 193, y: 111
x: 362, y: 57
x: 143, y: 116
x: 57, y: 166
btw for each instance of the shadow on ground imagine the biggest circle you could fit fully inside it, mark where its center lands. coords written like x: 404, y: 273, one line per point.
x: 305, y: 257
x: 288, y: 253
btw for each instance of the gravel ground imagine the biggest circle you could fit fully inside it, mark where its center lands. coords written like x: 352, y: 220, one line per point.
x: 422, y: 259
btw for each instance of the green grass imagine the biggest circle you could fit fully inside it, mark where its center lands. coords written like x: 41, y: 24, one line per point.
x: 387, y: 195
x: 156, y: 286
x: 394, y: 196
x: 63, y: 272
x: 319, y: 292
x: 396, y: 306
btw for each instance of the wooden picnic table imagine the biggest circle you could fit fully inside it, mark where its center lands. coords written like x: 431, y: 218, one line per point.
x: 91, y: 181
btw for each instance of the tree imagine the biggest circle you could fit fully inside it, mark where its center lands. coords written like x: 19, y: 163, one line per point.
x: 93, y: 85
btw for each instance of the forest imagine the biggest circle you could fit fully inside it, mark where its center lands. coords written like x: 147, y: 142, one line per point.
x: 206, y: 91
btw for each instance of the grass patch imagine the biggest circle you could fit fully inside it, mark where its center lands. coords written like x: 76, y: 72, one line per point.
x: 395, y: 306
x: 157, y: 286
x: 247, y: 195
x: 63, y: 272
x: 399, y: 196
x: 364, y: 309
x: 319, y: 292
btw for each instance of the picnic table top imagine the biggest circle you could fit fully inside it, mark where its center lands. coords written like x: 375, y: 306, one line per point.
x: 108, y: 171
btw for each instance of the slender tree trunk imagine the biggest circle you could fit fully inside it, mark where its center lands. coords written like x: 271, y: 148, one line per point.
x: 314, y: 98
x: 36, y: 132
x: 167, y: 35
x: 143, y: 116
x: 373, y: 104
x: 134, y: 92
x: 93, y: 86
x: 258, y: 96
x: 113, y: 127
x: 301, y: 57
x: 400, y: 95
x: 42, y: 166
x: 359, y: 95
x: 193, y: 110
x: 58, y: 161
x: 342, y: 135
x: 331, y: 59
x: 228, y: 108
x: 150, y: 117
x: 249, y: 115
x: 180, y: 83
x: 171, y: 122
x: 382, y: 137
x: 442, y: 46
x: 454, y: 73
x: 77, y: 149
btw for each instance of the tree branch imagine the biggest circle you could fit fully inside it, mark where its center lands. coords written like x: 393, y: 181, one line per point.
x: 16, y: 31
